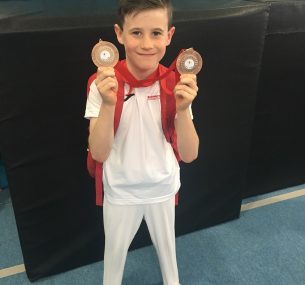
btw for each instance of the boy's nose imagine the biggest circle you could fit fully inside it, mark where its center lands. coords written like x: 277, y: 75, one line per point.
x: 146, y: 43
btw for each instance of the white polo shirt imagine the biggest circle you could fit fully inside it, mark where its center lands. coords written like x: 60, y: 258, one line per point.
x: 142, y: 167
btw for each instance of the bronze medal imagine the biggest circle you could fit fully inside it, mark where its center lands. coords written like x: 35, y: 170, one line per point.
x: 105, y: 54
x: 189, y: 61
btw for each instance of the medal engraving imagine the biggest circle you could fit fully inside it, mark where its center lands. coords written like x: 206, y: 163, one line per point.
x: 105, y: 54
x: 189, y: 61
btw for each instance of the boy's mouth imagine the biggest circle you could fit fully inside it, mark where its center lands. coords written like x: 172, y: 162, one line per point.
x: 146, y: 54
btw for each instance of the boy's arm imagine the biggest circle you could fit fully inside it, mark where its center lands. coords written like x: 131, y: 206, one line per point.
x: 187, y: 138
x: 101, y: 130
x: 102, y: 133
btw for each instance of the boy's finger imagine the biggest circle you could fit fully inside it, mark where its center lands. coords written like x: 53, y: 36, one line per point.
x: 188, y: 84
x: 104, y: 72
x: 107, y: 83
x: 188, y: 75
x: 189, y: 80
x: 185, y: 90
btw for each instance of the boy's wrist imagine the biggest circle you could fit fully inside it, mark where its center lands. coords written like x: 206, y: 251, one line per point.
x: 183, y: 113
x: 108, y: 105
x: 107, y: 108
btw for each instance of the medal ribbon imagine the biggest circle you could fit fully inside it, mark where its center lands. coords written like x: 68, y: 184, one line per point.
x: 128, y: 78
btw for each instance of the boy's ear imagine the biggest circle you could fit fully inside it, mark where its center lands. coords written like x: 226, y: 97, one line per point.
x: 170, y: 34
x: 118, y: 33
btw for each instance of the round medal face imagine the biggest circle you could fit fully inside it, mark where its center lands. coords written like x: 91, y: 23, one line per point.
x: 105, y: 54
x: 189, y: 61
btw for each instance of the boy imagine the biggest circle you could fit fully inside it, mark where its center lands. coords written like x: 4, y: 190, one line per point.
x: 141, y: 174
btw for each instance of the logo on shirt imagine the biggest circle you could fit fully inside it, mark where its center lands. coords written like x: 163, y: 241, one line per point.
x: 126, y: 97
x: 153, y: 97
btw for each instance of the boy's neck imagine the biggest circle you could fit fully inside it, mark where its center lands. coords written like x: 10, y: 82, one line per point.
x: 141, y: 75
x: 126, y: 76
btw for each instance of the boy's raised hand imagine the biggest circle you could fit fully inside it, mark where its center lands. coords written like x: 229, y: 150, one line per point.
x: 185, y: 91
x: 107, y: 85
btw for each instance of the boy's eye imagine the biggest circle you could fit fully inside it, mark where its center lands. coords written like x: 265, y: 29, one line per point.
x: 136, y: 33
x: 155, y: 34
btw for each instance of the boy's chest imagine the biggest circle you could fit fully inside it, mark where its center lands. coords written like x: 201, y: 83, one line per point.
x: 142, y: 108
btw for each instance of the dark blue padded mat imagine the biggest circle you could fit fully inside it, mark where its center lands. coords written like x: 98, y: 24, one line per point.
x: 41, y: 15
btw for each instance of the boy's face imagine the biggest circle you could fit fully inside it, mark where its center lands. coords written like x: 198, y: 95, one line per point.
x: 145, y: 36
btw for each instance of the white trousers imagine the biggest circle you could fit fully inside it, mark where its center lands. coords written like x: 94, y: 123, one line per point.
x: 121, y: 222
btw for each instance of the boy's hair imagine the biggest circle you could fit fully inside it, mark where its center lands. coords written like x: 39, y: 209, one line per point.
x: 128, y: 7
